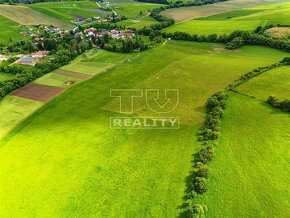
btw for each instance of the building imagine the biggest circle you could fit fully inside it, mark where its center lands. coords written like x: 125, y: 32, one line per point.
x: 27, y: 61
x: 32, y: 58
x: 39, y: 54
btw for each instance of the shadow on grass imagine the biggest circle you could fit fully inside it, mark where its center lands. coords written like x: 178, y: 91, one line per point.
x: 188, y: 181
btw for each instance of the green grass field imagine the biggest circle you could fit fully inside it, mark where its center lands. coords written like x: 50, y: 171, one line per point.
x: 189, y: 13
x: 274, y: 82
x: 138, y: 23
x: 132, y: 9
x: 247, y: 19
x: 65, y: 161
x: 250, y: 173
x: 13, y: 110
x: 207, y: 27
x: 9, y: 31
x: 83, y: 64
x: 68, y: 11
x: 54, y: 79
x: 27, y: 16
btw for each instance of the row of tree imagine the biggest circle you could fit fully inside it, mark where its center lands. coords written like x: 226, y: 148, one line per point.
x: 283, y: 105
x: 126, y: 46
x: 234, y: 40
x: 257, y: 71
x: 208, y: 135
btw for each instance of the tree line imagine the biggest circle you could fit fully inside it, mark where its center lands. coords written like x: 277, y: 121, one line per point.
x: 257, y: 71
x: 233, y: 41
x: 283, y: 105
x: 208, y: 136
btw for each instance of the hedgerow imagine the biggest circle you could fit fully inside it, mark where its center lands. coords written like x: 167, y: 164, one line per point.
x: 208, y: 135
x: 283, y: 105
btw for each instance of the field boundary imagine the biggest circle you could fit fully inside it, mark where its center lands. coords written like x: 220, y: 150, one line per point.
x: 47, y: 104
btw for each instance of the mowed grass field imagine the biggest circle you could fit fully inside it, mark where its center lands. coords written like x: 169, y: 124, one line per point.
x: 66, y: 161
x: 9, y: 31
x: 13, y: 110
x: 132, y: 9
x: 68, y: 11
x: 250, y: 173
x: 244, y: 19
x: 275, y: 82
x: 207, y: 27
x: 27, y: 16
x: 273, y: 14
x: 189, y: 13
x: 138, y: 23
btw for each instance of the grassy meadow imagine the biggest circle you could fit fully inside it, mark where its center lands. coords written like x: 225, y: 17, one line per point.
x: 138, y: 23
x: 54, y: 79
x: 249, y: 175
x: 207, y: 27
x: 27, y: 16
x: 274, y: 14
x: 13, y: 110
x: 247, y: 19
x: 132, y: 9
x: 189, y: 13
x: 9, y: 31
x: 275, y: 82
x: 68, y: 11
x: 124, y: 173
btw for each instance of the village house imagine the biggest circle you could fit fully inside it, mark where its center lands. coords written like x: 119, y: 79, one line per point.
x: 31, y: 59
x: 26, y: 60
x: 38, y: 39
x: 39, y: 54
x: 115, y: 34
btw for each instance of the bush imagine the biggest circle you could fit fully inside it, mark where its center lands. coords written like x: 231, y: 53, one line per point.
x: 283, y: 105
x: 206, y: 154
x: 197, y: 211
x: 192, y: 194
x: 202, y: 170
x: 235, y: 43
x: 199, y: 185
x: 286, y: 61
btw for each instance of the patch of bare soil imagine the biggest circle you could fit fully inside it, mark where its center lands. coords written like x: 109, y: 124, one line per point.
x: 81, y: 76
x: 38, y: 92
